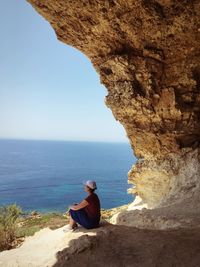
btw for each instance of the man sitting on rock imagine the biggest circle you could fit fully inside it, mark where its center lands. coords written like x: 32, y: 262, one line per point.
x: 87, y: 212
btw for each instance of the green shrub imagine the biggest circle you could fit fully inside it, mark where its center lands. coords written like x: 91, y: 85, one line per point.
x: 8, y: 223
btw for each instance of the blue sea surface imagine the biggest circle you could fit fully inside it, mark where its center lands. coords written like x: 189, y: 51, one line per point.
x: 48, y: 175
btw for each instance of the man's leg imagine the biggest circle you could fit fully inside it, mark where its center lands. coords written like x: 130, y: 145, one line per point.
x: 71, y: 226
x: 72, y: 223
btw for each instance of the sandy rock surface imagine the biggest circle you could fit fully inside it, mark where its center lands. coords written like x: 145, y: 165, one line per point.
x: 40, y: 250
x: 109, y: 245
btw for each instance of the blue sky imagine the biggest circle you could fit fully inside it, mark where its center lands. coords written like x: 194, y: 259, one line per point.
x: 48, y: 90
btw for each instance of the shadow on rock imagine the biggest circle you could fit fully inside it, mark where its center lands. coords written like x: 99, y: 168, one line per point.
x: 115, y: 246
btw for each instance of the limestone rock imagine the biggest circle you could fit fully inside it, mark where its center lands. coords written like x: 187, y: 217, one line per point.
x: 147, y: 54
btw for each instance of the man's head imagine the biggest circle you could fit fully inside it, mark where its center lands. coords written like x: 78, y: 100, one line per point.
x: 91, y: 185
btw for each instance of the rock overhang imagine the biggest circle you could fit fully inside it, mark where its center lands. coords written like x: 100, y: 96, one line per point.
x: 147, y: 54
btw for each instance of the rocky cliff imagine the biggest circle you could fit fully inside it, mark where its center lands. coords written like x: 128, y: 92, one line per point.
x: 147, y: 54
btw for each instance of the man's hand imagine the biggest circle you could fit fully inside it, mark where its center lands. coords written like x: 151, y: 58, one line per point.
x: 79, y: 206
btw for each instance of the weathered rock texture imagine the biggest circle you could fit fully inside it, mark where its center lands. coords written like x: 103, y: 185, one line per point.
x: 127, y: 246
x: 147, y: 54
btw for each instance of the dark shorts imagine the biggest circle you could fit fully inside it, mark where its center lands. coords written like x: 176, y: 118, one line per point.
x: 81, y: 217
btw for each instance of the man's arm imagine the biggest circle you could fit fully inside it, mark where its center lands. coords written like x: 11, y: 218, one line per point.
x: 79, y: 206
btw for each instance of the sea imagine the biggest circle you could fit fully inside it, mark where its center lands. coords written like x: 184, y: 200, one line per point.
x: 48, y: 176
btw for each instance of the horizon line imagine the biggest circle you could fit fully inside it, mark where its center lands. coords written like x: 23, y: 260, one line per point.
x: 63, y: 140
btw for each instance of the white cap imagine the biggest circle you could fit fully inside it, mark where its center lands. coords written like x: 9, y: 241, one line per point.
x: 91, y: 184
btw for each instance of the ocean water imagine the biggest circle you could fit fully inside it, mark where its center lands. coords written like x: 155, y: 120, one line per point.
x: 48, y: 175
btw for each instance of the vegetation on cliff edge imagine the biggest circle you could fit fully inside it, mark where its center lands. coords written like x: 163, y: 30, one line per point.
x: 15, y: 225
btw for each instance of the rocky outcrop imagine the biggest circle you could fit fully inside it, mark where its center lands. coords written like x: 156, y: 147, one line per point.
x: 109, y: 245
x: 119, y: 246
x: 147, y: 54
